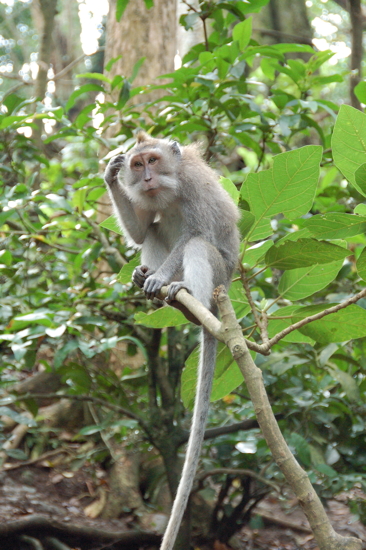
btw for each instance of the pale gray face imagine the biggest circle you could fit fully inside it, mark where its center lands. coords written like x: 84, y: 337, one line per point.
x: 150, y: 174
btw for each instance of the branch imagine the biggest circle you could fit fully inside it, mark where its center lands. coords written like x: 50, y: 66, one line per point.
x: 295, y: 476
x: 112, y: 406
x: 211, y: 433
x: 238, y: 472
x: 67, y: 69
x: 286, y: 36
x: 315, y: 317
x: 205, y: 317
x: 43, y: 524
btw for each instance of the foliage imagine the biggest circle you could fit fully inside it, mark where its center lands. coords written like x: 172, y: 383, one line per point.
x: 65, y: 304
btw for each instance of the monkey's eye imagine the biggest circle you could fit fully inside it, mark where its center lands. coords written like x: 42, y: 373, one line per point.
x: 152, y: 160
x: 137, y: 164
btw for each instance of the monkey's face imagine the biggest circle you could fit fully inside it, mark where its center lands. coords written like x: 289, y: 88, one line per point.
x: 150, y: 176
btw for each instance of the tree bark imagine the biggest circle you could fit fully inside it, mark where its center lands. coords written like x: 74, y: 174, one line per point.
x: 142, y: 33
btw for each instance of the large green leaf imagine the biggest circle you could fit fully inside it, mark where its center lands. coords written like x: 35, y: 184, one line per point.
x: 239, y: 299
x: 349, y: 143
x: 288, y: 188
x: 335, y: 225
x: 112, y: 224
x: 346, y: 324
x: 278, y: 325
x: 347, y: 382
x: 125, y: 275
x: 227, y: 376
x: 305, y: 281
x: 256, y: 252
x: 361, y: 264
x: 303, y: 253
x: 163, y: 317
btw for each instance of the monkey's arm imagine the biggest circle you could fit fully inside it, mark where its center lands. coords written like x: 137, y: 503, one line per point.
x: 134, y: 220
x: 166, y: 272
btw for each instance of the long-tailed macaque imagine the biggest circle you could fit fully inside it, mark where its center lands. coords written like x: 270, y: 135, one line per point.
x: 170, y: 204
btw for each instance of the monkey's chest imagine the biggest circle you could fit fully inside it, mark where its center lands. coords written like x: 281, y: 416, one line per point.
x: 170, y: 227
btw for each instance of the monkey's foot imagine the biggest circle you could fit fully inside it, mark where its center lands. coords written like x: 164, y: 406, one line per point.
x: 140, y: 274
x: 170, y: 299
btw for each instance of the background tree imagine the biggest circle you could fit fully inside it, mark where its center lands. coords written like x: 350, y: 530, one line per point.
x: 64, y: 313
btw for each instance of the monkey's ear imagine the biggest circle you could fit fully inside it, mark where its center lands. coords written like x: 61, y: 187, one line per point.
x: 175, y: 148
x: 142, y: 136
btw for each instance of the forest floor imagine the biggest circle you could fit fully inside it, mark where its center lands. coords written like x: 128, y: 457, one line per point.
x: 61, y: 498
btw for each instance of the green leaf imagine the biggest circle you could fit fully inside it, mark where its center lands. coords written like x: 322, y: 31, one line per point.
x: 125, y: 275
x: 335, y: 225
x: 360, y: 91
x: 361, y: 264
x: 112, y: 224
x: 303, y: 253
x: 112, y: 61
x: 19, y: 418
x: 360, y: 177
x: 245, y: 222
x: 349, y: 143
x: 13, y: 119
x: 242, y: 32
x: 80, y: 91
x: 95, y: 76
x: 304, y: 281
x: 149, y: 3
x: 288, y: 188
x: 124, y: 95
x: 163, y: 317
x: 278, y: 325
x: 230, y: 188
x: 120, y: 8
x: 256, y: 252
x: 136, y: 69
x: 360, y: 210
x: 6, y: 257
x: 301, y: 446
x: 347, y: 382
x: 346, y: 324
x: 239, y: 299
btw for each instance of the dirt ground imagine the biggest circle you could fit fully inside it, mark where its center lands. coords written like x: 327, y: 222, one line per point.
x: 63, y: 496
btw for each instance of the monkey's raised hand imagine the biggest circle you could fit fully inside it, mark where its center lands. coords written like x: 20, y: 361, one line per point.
x: 114, y: 166
x: 140, y: 274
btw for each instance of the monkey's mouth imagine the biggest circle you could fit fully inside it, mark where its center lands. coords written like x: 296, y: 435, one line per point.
x: 152, y: 192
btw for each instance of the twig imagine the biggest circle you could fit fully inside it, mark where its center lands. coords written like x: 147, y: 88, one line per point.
x: 31, y: 461
x: 315, y: 317
x: 44, y: 524
x: 73, y: 63
x: 108, y: 249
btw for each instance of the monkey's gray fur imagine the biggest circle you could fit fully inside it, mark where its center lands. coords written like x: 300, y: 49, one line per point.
x: 170, y: 204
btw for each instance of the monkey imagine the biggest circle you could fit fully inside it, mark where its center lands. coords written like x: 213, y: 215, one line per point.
x: 171, y: 205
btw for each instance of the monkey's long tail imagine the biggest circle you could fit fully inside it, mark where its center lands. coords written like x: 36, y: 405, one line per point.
x: 200, y: 412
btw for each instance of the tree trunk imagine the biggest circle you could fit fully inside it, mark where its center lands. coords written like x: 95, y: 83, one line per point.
x: 284, y: 21
x: 142, y: 33
x: 357, y: 50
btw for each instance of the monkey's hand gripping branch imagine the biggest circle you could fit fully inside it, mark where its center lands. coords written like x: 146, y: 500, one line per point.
x: 204, y: 316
